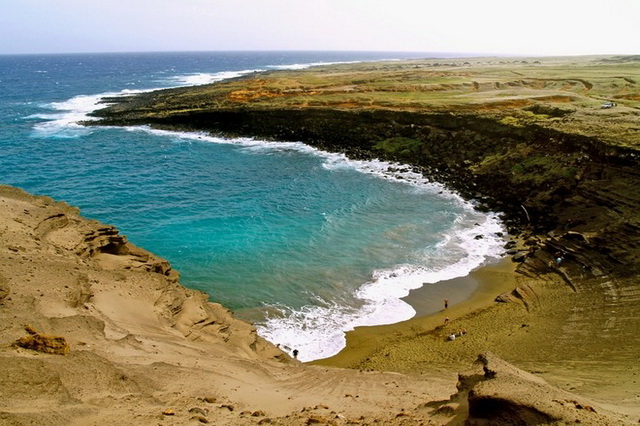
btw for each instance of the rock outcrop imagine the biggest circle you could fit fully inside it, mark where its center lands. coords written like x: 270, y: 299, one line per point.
x: 43, y: 343
x: 495, y: 392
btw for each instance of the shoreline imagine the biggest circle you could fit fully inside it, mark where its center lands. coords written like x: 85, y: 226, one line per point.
x: 470, y: 289
x: 468, y: 294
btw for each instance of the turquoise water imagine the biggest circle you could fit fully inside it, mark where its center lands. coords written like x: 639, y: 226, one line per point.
x: 306, y: 244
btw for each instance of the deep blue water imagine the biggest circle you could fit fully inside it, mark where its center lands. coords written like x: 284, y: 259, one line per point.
x: 304, y: 243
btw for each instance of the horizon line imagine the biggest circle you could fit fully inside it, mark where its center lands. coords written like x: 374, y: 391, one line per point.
x: 445, y: 55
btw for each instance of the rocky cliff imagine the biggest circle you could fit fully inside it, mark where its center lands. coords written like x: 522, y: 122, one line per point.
x: 553, y: 184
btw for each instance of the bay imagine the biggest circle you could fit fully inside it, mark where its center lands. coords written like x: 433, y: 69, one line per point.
x: 303, y: 243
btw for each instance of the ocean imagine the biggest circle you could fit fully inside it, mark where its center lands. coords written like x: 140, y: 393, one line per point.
x: 305, y: 244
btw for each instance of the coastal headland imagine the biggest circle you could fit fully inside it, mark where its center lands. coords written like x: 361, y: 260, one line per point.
x: 550, y: 335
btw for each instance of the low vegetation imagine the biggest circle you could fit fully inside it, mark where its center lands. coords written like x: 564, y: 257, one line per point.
x: 565, y: 94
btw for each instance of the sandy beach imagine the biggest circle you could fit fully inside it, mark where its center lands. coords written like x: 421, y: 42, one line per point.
x: 535, y: 331
x: 465, y: 295
x: 478, y: 288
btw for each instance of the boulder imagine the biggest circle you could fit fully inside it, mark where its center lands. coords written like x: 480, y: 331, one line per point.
x: 499, y: 393
x: 43, y: 343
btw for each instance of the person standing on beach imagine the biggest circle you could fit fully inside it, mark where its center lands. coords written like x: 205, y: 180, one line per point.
x: 446, y: 303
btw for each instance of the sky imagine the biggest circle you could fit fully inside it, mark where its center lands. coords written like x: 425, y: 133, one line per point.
x: 505, y: 27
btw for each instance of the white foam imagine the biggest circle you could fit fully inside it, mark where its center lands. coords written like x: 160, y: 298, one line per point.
x: 248, y: 143
x: 332, y: 161
x: 64, y: 122
x: 303, y: 66
x: 197, y: 79
x: 387, y: 170
x: 309, y: 65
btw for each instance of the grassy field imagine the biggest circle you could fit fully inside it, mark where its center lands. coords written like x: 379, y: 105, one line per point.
x: 565, y: 94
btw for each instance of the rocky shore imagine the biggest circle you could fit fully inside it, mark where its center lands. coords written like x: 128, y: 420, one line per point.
x: 528, y: 139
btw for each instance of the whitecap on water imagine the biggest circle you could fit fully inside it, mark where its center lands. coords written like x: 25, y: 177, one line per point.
x: 63, y: 122
x: 319, y: 331
x: 294, y: 67
x: 198, y: 79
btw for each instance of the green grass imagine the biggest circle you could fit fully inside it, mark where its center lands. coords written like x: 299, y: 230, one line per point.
x: 561, y: 93
x: 398, y: 148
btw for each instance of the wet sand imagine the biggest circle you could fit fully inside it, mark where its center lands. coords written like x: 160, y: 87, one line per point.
x: 466, y: 295
x: 480, y: 285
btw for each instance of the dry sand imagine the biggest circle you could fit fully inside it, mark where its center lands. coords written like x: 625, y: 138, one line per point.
x: 142, y: 349
x: 562, y: 335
